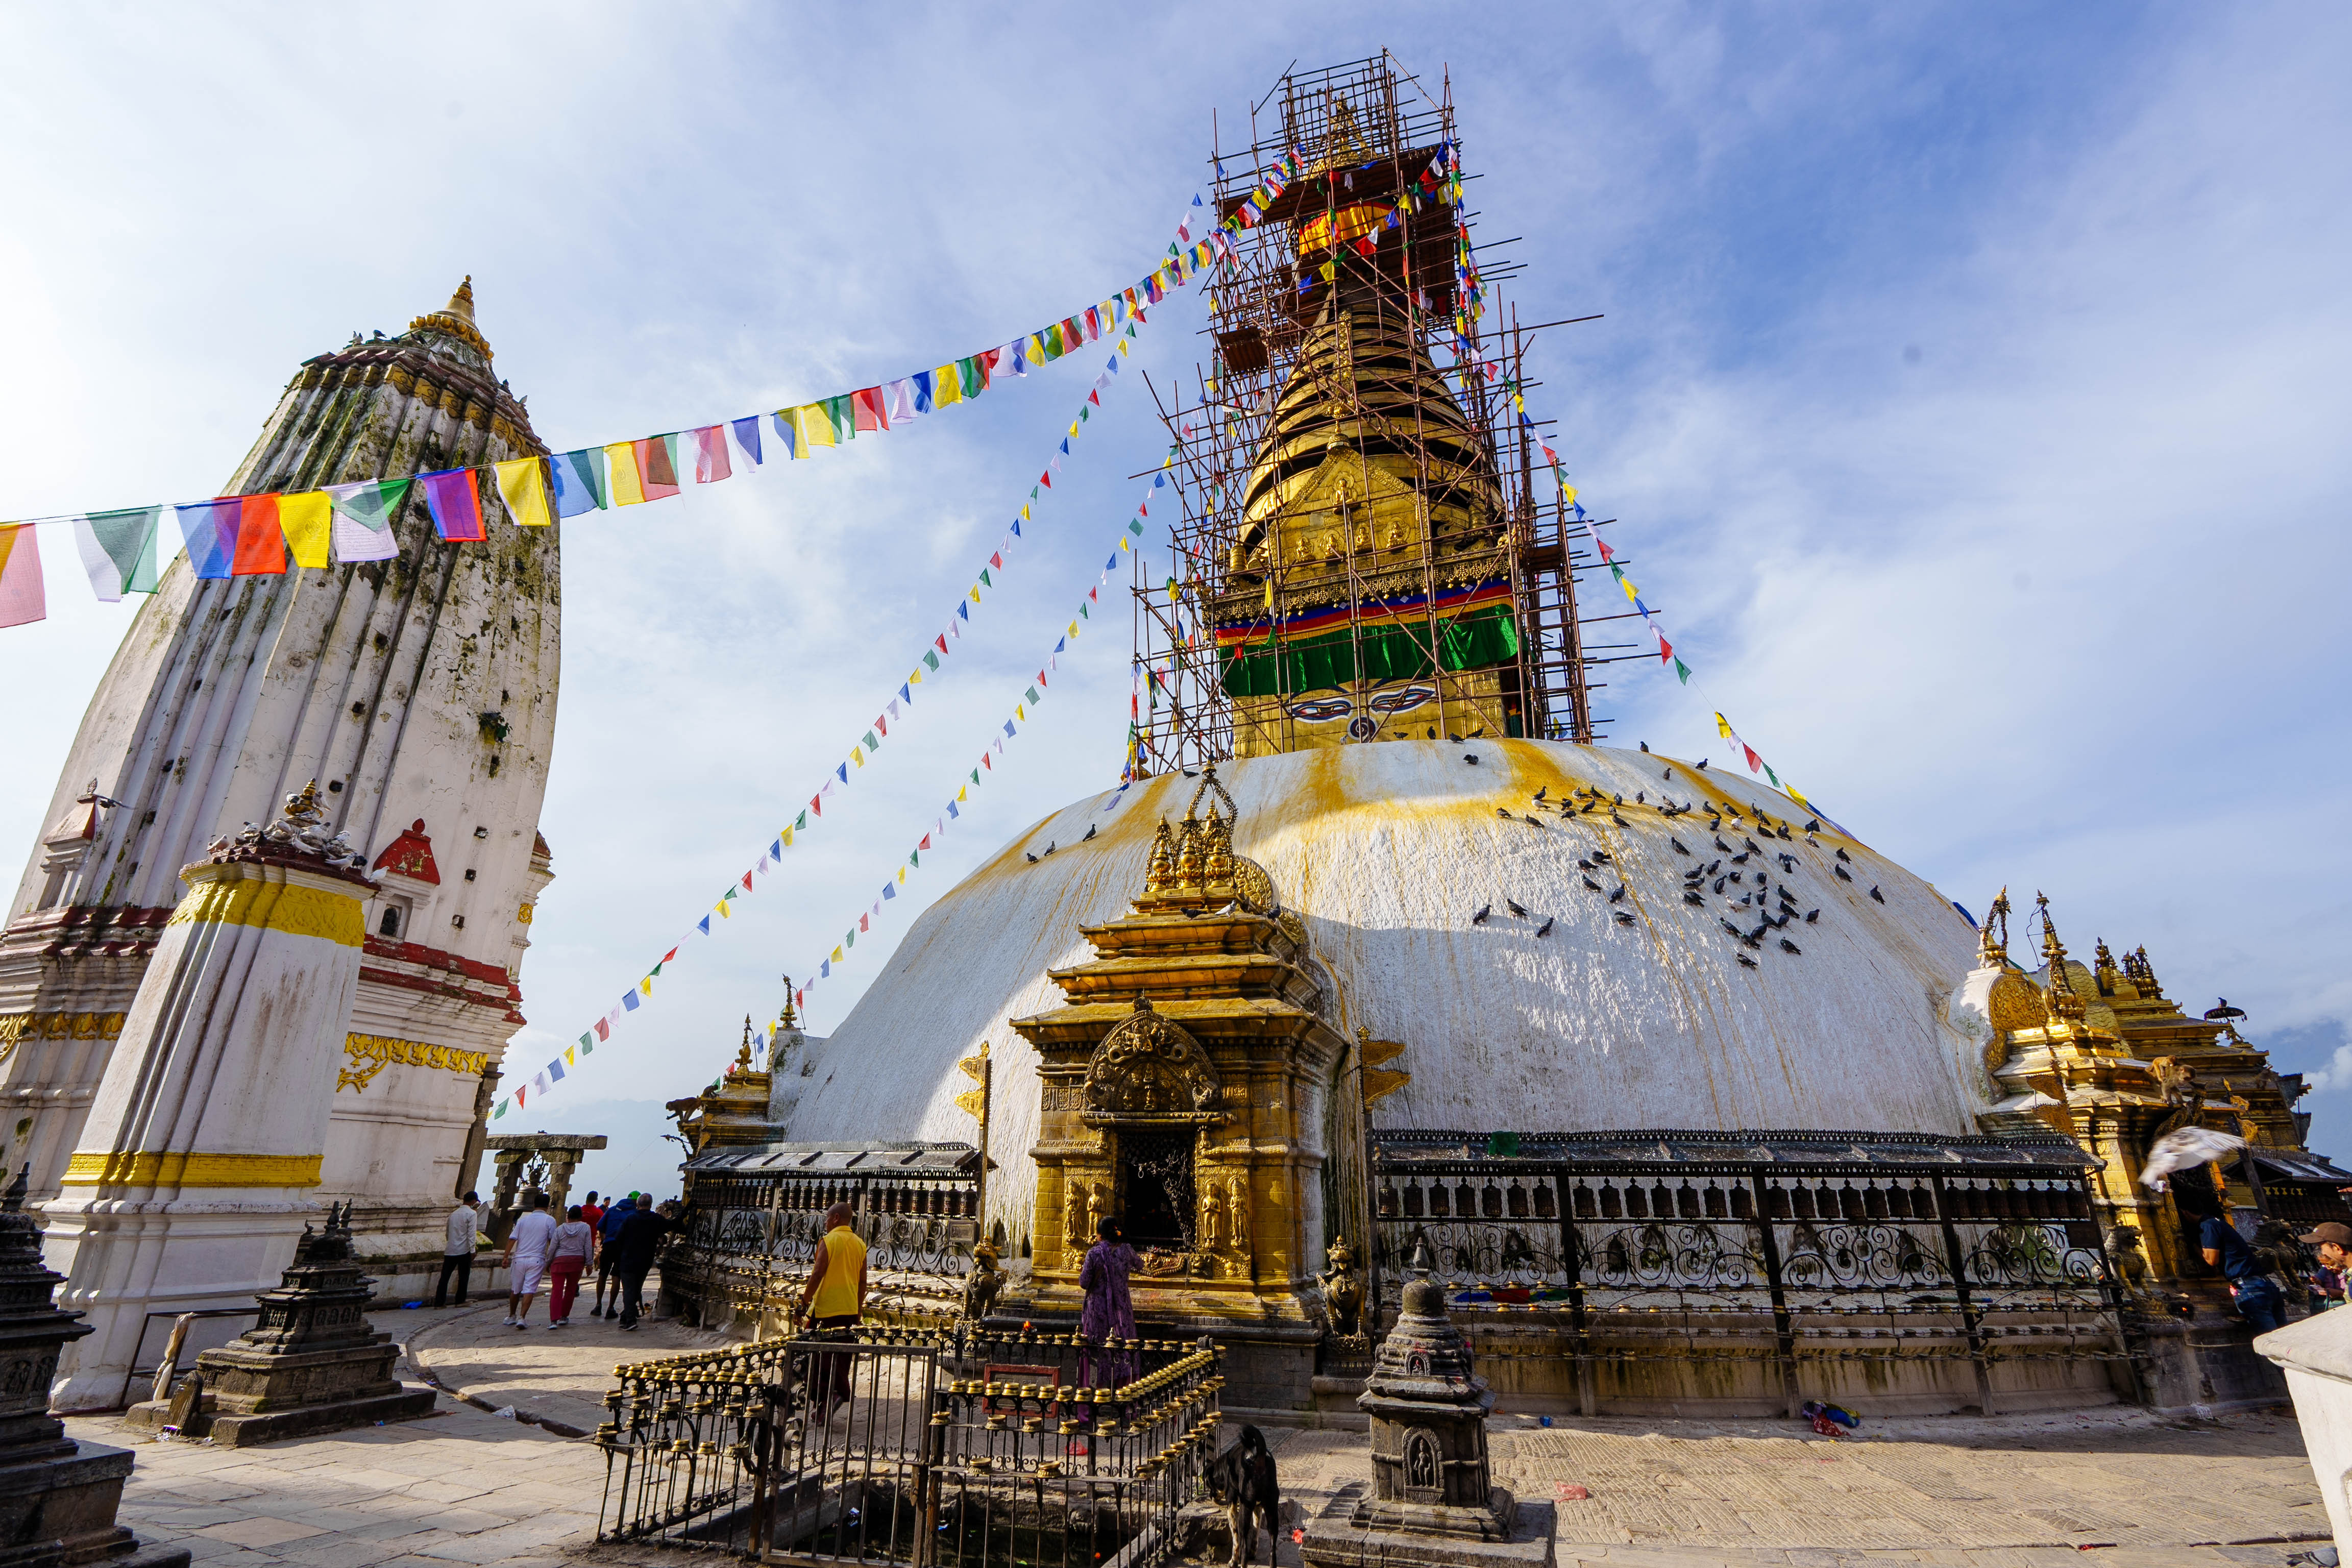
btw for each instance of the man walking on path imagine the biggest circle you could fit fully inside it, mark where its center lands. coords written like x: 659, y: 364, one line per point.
x: 592, y: 1213
x: 526, y: 1258
x: 832, y: 1303
x: 638, y: 1243
x: 458, y: 1256
x: 608, y: 1233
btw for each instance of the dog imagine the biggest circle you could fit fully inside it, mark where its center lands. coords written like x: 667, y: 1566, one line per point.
x: 1243, y: 1479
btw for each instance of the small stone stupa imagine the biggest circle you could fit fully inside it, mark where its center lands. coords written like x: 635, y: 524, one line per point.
x: 1433, y: 1496
x: 313, y: 1364
x: 58, y: 1496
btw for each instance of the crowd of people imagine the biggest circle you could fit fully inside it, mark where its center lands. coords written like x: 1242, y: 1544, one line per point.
x: 619, y: 1243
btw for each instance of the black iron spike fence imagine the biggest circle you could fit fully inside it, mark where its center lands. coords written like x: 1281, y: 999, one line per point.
x: 953, y: 1449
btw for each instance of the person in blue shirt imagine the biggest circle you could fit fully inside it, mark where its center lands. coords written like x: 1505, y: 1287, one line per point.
x: 2259, y: 1302
x: 608, y: 1230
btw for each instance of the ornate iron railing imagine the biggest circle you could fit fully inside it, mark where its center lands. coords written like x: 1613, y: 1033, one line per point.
x: 1832, y: 1251
x: 958, y: 1447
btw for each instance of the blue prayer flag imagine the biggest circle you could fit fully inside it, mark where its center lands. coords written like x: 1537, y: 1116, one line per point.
x: 629, y: 999
x: 922, y: 380
x: 580, y: 482
x: 747, y: 435
x: 555, y: 1070
x: 210, y: 528
x: 1008, y: 726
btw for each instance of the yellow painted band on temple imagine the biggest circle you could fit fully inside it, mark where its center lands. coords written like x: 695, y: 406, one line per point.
x: 140, y: 1168
x: 276, y: 906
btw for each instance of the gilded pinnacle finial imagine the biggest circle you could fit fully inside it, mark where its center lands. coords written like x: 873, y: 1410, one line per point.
x: 1992, y: 946
x: 789, y: 1020
x: 461, y: 303
x: 743, y: 1056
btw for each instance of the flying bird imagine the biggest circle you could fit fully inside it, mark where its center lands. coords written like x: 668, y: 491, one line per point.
x: 2183, y: 1147
x: 2225, y: 1011
x: 1513, y: 905
x: 1788, y: 946
x: 1545, y: 929
x: 1877, y: 894
x: 1480, y: 918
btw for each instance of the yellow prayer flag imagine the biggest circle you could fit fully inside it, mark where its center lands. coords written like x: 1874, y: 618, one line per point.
x: 647, y: 985
x: 788, y: 838
x: 1723, y: 726
x: 1025, y: 514
x: 523, y: 483
x: 569, y: 1055
x: 916, y: 678
x: 1074, y: 628
x: 902, y: 876
x: 947, y: 385
x: 1034, y: 352
x: 812, y: 427
x: 1074, y: 428
x: 975, y: 595
x: 621, y: 458
x: 1568, y: 494
x: 306, y: 517
x: 1631, y: 593
x: 858, y: 757
x: 1123, y: 543
x: 1269, y: 594
x: 1018, y: 714
x: 959, y: 791
x: 836, y: 955
x: 722, y: 907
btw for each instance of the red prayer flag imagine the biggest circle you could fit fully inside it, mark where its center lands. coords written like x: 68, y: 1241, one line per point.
x: 655, y: 473
x: 1754, y: 762
x: 986, y: 764
x: 926, y: 844
x: 816, y: 804
x: 712, y: 463
x: 942, y: 640
x: 866, y: 407
x: 260, y: 542
x: 747, y: 888
x: 603, y: 1032
x: 1046, y: 478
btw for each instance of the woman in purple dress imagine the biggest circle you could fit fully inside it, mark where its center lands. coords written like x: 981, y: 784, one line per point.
x: 1109, y: 1310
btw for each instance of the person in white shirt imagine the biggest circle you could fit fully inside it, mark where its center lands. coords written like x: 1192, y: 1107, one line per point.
x: 457, y: 1256
x: 526, y: 1257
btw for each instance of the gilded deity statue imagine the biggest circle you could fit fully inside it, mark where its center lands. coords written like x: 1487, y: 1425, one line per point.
x: 1074, y: 1208
x: 1210, y: 1210
x: 1162, y: 866
x: 1343, y: 1291
x: 983, y: 1284
x: 1237, y: 1225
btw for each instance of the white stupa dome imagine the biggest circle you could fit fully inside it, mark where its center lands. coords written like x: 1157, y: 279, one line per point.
x: 1387, y: 852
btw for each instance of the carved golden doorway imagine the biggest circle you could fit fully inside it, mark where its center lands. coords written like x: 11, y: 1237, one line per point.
x: 1156, y: 1196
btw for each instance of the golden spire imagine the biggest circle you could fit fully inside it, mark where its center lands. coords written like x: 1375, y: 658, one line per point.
x: 743, y: 1056
x: 461, y: 303
x: 789, y: 1020
x: 1992, y: 945
x: 456, y: 320
x: 2063, y: 999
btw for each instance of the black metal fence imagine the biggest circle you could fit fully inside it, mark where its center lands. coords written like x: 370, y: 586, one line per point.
x: 961, y: 1449
x: 1893, y: 1250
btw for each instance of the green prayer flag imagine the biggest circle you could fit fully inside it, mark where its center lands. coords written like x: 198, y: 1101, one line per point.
x: 984, y: 578
x: 844, y: 415
x: 501, y: 1111
x: 1682, y: 671
x: 1033, y: 694
x: 588, y: 1043
x: 968, y: 372
x: 128, y: 537
x: 915, y: 859
x: 975, y: 775
x: 1082, y: 610
x: 871, y: 743
x: 932, y: 660
x: 371, y: 509
x: 800, y: 822
x: 1135, y: 526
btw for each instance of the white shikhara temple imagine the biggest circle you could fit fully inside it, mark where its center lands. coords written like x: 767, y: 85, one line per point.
x: 419, y: 692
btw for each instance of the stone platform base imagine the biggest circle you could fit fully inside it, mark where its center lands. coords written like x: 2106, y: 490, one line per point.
x: 2208, y: 1363
x: 296, y: 1421
x: 1332, y: 1543
x: 61, y: 1510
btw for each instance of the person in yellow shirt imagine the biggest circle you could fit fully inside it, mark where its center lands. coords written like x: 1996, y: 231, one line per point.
x: 831, y: 1305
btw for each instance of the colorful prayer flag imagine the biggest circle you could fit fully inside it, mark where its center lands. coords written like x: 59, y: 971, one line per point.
x: 456, y: 504
x: 621, y: 468
x: 712, y: 463
x: 581, y: 481
x: 656, y: 465
x: 363, y: 513
x: 747, y: 437
x: 867, y: 411
x: 523, y: 485
x: 260, y: 548
x: 118, y: 550
x: 23, y: 597
x: 307, y: 518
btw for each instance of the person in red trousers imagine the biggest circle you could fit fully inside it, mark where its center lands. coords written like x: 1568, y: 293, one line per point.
x: 567, y: 1259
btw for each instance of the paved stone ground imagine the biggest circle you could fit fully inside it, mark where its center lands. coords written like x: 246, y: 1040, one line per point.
x: 1973, y: 1493
x: 2120, y: 1487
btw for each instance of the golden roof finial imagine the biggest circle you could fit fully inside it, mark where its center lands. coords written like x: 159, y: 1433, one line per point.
x: 456, y: 320
x: 743, y: 1057
x: 789, y: 1018
x: 1992, y: 945
x: 461, y: 303
x: 2060, y: 984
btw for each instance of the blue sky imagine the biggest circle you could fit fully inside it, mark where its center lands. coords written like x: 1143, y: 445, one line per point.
x: 1970, y: 385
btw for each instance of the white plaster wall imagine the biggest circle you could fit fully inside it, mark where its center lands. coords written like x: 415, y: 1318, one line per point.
x: 1387, y: 851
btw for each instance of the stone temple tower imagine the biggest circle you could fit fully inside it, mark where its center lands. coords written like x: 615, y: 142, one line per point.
x: 419, y: 691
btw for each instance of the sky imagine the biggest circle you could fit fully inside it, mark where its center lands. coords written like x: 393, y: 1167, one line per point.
x: 1969, y: 384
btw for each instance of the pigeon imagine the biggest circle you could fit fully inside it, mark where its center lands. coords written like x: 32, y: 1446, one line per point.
x: 1453, y: 737
x: 1513, y: 905
x: 1541, y: 793
x: 1762, y: 928
x: 1089, y: 838
x: 1639, y: 799
x: 1677, y: 844
x: 1583, y: 865
x: 1812, y: 824
x: 1788, y: 946
x: 1665, y: 772
x: 1788, y: 863
x: 1600, y: 855
x: 1033, y: 859
x: 1741, y: 904
x: 2225, y: 1010
x: 1782, y: 831
x: 1616, y: 800
x: 1751, y: 845
x: 1745, y: 962
x: 1618, y: 894
x: 1740, y: 858
x: 2184, y: 1147
x: 1844, y: 856
x: 1719, y: 886
x: 1841, y: 874
x: 1719, y: 843
x: 1726, y: 925
x: 1470, y: 757
x: 1049, y: 846
x: 1877, y: 894
x: 1711, y: 870
x: 1692, y: 897
x: 1624, y: 919
x: 1812, y: 915
x: 1545, y: 929
x: 1702, y: 765
x: 1646, y: 745
x: 1619, y: 820
x: 1501, y: 813
x: 1592, y: 804
x: 1589, y: 883
x: 1478, y: 731
x: 1480, y: 918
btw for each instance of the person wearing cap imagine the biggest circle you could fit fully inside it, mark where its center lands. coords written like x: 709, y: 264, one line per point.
x: 2334, y: 1244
